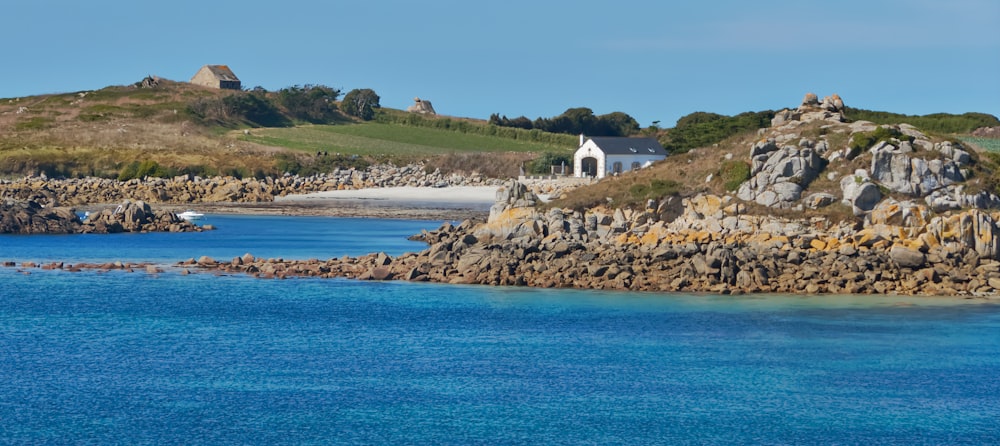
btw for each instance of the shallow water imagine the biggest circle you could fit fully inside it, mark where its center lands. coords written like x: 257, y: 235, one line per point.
x: 132, y: 358
x: 263, y: 236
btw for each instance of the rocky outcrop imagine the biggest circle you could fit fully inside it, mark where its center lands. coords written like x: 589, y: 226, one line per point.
x: 421, y: 106
x: 894, y: 167
x: 136, y: 217
x: 987, y: 132
x: 800, y: 147
x: 513, y: 214
x: 812, y: 109
x: 713, y: 247
x: 859, y: 192
x: 779, y: 175
x: 29, y: 217
x: 954, y: 197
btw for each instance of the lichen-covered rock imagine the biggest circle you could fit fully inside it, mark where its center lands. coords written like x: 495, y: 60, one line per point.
x: 974, y: 229
x: 819, y: 200
x: 954, y: 197
x: 905, y: 214
x: 859, y: 192
x: 907, y: 257
x: 778, y: 176
x: 895, y: 169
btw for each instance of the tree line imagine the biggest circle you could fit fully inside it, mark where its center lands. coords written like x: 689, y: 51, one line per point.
x: 315, y: 104
x: 574, y: 121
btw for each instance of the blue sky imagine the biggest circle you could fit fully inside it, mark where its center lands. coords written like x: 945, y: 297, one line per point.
x: 655, y: 60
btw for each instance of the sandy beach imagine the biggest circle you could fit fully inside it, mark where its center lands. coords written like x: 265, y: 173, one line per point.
x: 453, y: 197
x: 417, y: 203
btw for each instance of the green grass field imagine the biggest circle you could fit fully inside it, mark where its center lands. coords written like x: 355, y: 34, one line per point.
x: 990, y: 144
x: 385, y: 139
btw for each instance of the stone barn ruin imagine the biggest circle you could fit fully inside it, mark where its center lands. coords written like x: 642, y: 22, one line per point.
x: 216, y: 76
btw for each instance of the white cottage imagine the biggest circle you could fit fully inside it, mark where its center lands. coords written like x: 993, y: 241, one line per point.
x: 603, y: 156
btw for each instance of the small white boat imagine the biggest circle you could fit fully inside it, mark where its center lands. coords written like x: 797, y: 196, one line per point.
x: 190, y: 215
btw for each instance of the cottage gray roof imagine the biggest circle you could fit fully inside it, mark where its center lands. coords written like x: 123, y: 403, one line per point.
x: 222, y: 72
x: 615, y: 145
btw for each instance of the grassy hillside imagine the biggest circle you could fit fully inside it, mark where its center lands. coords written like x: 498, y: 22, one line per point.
x: 177, y: 127
x: 376, y: 139
x: 184, y: 128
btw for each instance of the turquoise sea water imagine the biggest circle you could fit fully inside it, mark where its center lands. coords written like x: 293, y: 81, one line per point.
x: 133, y: 358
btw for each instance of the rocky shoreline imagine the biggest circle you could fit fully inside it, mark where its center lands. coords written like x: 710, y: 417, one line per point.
x: 713, y: 247
x: 520, y: 246
x: 231, y: 195
x: 30, y: 217
x: 186, y: 190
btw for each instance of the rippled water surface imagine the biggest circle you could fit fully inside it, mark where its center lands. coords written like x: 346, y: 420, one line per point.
x: 132, y: 358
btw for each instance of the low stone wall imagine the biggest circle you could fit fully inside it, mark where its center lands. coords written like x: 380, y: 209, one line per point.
x: 188, y: 189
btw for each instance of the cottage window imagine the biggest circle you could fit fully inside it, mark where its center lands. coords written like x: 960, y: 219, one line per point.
x: 636, y: 165
x: 617, y: 167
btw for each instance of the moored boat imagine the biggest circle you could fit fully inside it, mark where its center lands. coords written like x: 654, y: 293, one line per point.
x: 190, y: 215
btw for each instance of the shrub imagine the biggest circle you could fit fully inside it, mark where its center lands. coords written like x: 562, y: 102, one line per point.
x: 701, y: 129
x: 655, y: 189
x: 36, y: 123
x: 862, y: 141
x: 990, y: 162
x: 255, y: 108
x: 938, y: 122
x: 308, y: 165
x: 542, y: 164
x: 361, y: 103
x: 476, y: 128
x: 311, y: 103
x: 639, y: 191
x: 662, y: 188
x: 143, y: 169
x: 286, y: 163
x: 199, y: 170
x: 733, y: 173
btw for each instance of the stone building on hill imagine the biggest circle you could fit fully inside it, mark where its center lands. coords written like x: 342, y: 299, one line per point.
x: 216, y: 76
x: 421, y: 106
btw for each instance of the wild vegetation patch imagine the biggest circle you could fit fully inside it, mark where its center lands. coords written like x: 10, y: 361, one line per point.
x: 546, y: 161
x: 733, y: 173
x: 862, y: 141
x: 701, y: 129
x: 946, y: 123
x: 34, y: 123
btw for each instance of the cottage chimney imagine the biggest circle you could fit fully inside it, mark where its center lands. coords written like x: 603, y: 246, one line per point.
x: 581, y: 140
